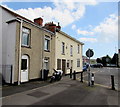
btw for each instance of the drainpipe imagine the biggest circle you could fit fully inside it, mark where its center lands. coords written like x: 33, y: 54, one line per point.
x: 19, y: 71
x: 43, y: 55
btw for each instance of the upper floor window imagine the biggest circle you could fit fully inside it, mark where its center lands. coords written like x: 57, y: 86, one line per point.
x: 25, y: 37
x: 63, y: 48
x: 47, y: 43
x: 78, y: 49
x: 71, y: 50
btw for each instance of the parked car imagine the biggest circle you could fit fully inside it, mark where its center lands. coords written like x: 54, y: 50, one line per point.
x: 98, y: 65
x: 85, y: 67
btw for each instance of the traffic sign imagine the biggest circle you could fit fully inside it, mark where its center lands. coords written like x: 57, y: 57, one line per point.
x: 89, y: 53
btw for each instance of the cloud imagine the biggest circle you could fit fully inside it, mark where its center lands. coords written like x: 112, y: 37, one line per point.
x: 64, y: 12
x: 73, y: 27
x: 83, y: 32
x: 106, y: 31
x: 88, y: 40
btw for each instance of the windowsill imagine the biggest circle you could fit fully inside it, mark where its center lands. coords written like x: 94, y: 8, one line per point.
x: 63, y: 53
x: 25, y: 46
x: 47, y: 50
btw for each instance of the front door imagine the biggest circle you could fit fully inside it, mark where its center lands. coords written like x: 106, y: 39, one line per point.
x: 64, y: 66
x: 24, y: 68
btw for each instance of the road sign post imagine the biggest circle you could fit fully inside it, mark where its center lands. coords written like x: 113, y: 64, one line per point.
x: 89, y: 53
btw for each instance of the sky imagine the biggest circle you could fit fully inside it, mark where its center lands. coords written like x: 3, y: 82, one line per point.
x: 93, y: 23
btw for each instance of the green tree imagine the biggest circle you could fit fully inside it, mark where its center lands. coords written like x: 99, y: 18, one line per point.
x: 98, y: 60
x: 115, y: 59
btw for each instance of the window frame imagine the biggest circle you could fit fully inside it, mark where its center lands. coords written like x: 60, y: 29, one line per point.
x: 63, y: 48
x: 68, y: 64
x: 28, y: 32
x: 46, y: 61
x: 78, y: 49
x: 78, y: 62
x: 71, y: 50
x: 47, y: 39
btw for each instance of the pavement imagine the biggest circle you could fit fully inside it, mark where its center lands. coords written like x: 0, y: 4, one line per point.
x: 64, y: 92
x: 13, y: 89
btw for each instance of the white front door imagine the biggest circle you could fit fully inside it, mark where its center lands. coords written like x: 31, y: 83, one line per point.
x: 24, y: 68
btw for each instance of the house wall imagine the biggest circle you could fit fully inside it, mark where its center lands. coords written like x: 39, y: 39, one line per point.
x: 35, y: 52
x: 51, y: 54
x: 58, y: 52
x: 8, y: 42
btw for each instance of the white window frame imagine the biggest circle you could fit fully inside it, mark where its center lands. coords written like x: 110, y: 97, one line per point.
x: 46, y: 61
x: 47, y: 46
x: 63, y: 48
x: 25, y: 31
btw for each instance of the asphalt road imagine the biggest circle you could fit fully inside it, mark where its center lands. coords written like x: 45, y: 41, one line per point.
x: 103, y: 76
x: 70, y: 92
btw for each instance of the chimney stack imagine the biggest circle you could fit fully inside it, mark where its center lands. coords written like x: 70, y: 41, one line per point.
x: 38, y: 21
x: 52, y: 27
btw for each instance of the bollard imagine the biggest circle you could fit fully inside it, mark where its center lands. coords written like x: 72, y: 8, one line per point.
x: 112, y: 82
x: 74, y: 76
x: 81, y: 77
x: 70, y: 73
x: 92, y: 79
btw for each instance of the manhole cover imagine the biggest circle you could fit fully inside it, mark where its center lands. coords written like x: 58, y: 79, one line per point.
x: 38, y: 94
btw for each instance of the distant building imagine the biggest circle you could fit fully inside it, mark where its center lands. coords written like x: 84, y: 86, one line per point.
x: 85, y: 60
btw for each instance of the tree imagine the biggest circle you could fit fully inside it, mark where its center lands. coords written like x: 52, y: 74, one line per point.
x: 104, y: 61
x: 98, y: 60
x: 115, y: 59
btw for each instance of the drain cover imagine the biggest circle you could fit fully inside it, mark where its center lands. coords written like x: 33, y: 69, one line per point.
x: 38, y: 94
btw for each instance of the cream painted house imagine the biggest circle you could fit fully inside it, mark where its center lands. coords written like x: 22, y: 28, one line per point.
x: 68, y: 53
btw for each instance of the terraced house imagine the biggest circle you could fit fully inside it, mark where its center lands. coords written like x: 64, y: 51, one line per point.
x: 29, y: 47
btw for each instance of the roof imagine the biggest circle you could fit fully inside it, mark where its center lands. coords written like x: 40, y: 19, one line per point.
x: 71, y: 37
x: 23, y: 18
x: 27, y: 20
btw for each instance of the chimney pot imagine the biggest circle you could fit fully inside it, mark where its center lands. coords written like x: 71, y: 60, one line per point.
x: 39, y: 21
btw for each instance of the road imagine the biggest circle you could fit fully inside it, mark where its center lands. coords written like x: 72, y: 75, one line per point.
x: 103, y: 76
x: 70, y: 92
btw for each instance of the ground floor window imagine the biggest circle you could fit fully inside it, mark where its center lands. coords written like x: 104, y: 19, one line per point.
x: 46, y: 63
x: 78, y: 62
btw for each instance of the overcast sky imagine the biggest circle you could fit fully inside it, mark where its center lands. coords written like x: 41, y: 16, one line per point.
x: 93, y: 23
